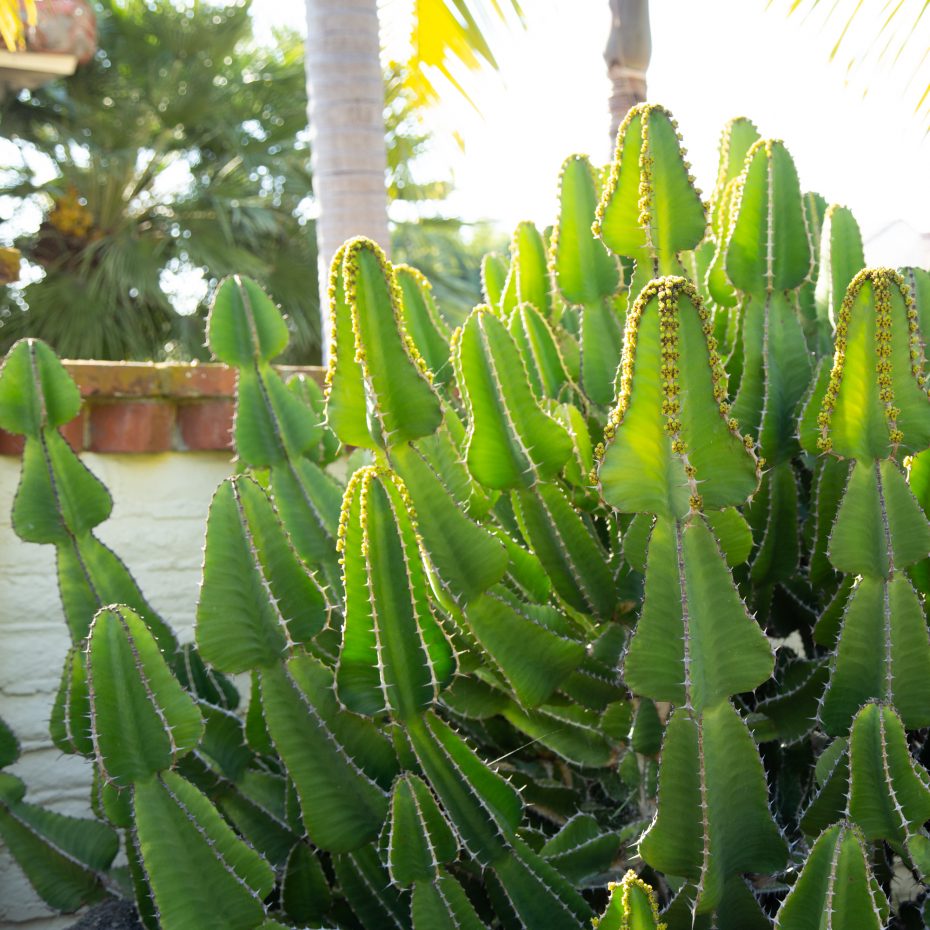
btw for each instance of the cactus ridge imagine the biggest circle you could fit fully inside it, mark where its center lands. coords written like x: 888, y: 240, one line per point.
x: 522, y: 605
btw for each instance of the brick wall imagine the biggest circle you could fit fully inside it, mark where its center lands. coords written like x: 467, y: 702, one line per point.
x: 159, y: 437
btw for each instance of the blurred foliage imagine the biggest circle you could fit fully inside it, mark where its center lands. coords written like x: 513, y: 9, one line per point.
x: 449, y: 253
x: 179, y: 155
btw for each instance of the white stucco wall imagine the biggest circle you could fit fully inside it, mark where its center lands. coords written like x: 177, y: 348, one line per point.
x: 157, y: 527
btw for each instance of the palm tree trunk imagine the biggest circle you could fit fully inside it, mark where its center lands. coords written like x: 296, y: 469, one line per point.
x: 629, y: 48
x: 345, y: 87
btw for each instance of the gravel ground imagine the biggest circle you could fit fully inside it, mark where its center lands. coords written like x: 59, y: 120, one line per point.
x: 110, y: 915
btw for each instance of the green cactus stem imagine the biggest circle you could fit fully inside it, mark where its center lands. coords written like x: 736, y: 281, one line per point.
x: 650, y: 209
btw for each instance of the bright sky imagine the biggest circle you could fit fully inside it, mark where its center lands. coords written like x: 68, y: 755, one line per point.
x: 712, y: 59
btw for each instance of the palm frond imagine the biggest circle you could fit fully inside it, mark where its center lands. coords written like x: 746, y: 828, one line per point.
x: 14, y: 17
x: 900, y: 43
x: 448, y: 39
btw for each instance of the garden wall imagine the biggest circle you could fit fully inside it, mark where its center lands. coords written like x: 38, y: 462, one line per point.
x: 158, y: 436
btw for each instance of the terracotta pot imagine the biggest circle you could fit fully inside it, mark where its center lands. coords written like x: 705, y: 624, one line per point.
x: 64, y: 27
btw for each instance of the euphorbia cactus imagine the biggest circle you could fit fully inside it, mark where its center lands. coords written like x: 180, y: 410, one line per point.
x: 524, y: 662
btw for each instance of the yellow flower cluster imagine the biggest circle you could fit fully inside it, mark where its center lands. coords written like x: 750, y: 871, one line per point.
x: 344, y: 269
x: 669, y: 291
x: 10, y: 259
x: 70, y: 217
x: 882, y: 281
x: 361, y: 482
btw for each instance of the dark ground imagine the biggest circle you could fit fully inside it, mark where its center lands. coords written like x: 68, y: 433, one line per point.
x: 110, y: 915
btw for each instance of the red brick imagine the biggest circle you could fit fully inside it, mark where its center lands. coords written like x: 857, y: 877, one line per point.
x: 206, y: 425
x: 10, y: 443
x: 132, y: 426
x: 73, y: 431
x: 165, y: 379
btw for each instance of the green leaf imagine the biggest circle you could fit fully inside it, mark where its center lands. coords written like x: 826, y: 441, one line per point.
x: 224, y: 741
x: 889, y: 794
x: 792, y: 710
x: 869, y: 414
x: 342, y: 807
x: 918, y: 284
x: 883, y: 653
x: 581, y: 849
x: 835, y: 878
x: 484, y: 809
x: 539, y: 350
x: 9, y: 745
x: 646, y: 732
x: 466, y: 555
x: 713, y: 819
x: 574, y: 733
x: 36, y: 393
x: 525, y: 569
x: 529, y: 270
x: 58, y: 495
x: 244, y: 325
x: 773, y: 515
x: 508, y: 635
x: 201, y: 874
x: 305, y: 893
x: 400, y: 400
x: 443, y: 903
x: 493, y: 279
x: 511, y: 441
x: 570, y: 553
x: 584, y: 271
x: 257, y: 808
x: 841, y: 259
x: 308, y: 501
x: 601, y: 345
x: 63, y: 857
x: 776, y: 373
x: 768, y: 248
x: 737, y: 138
x: 257, y: 599
x: 361, y: 738
x: 368, y: 890
x: 346, y: 405
x: 143, y: 720
x: 669, y: 445
x: 394, y: 655
x: 632, y: 906
x: 650, y: 208
x: 717, y: 283
x: 732, y: 533
x: 91, y: 576
x: 473, y: 698
x: 541, y: 898
x: 206, y: 683
x: 879, y: 526
x: 829, y: 804
x: 70, y: 724
x: 695, y: 643
x: 419, y: 839
x: 272, y: 424
x: 423, y: 322
x: 831, y: 476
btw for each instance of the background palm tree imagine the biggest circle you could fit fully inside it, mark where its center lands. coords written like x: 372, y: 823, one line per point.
x: 177, y: 156
x: 180, y: 147
x: 629, y: 48
x: 346, y: 102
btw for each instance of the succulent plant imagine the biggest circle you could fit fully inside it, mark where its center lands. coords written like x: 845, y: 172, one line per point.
x: 615, y: 612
